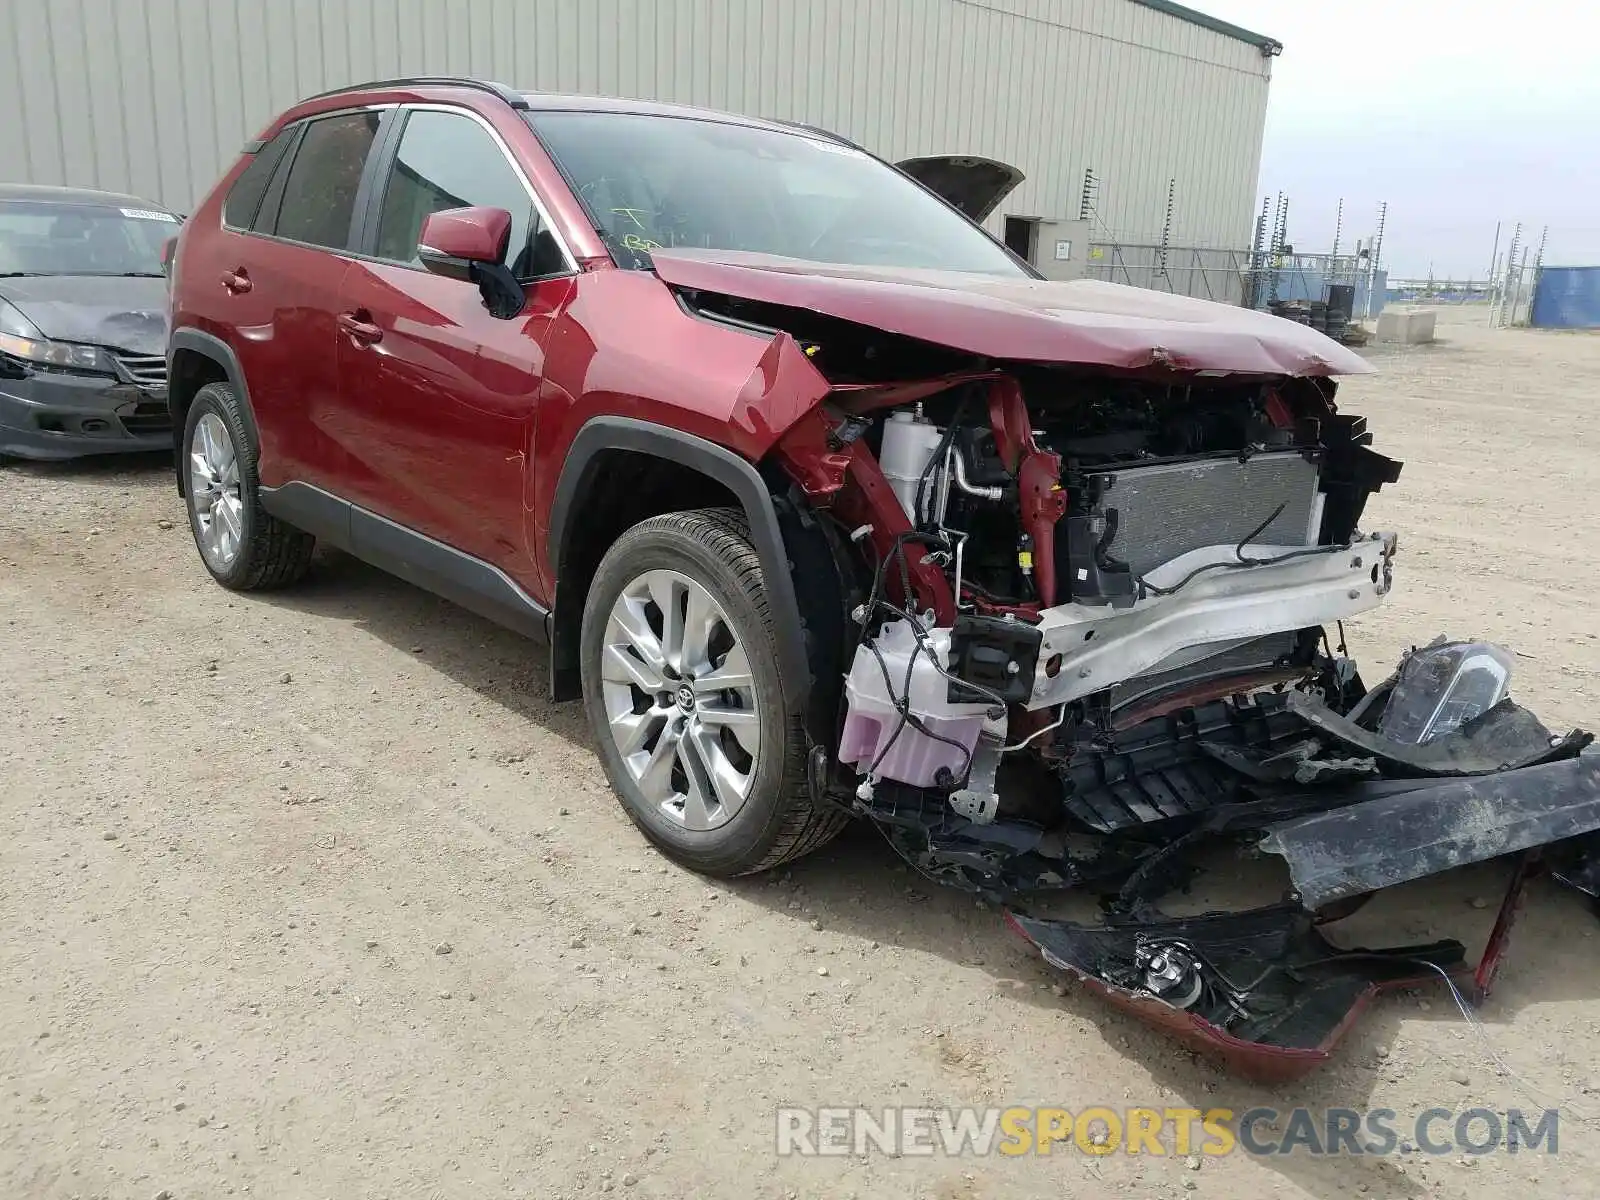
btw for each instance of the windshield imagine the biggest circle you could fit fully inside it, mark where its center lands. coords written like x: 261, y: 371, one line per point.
x: 657, y: 181
x: 39, y: 238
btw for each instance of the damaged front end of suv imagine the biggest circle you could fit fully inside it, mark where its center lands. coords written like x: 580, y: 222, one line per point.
x: 1096, y: 548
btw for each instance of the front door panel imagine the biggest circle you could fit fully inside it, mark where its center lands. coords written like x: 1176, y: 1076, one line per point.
x: 439, y: 397
x: 439, y: 412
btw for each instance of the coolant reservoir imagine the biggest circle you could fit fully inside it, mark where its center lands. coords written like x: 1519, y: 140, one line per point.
x: 872, y: 724
x: 1443, y: 687
x: 909, y: 443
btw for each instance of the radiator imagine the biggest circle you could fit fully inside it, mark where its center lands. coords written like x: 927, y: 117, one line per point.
x: 1164, y: 511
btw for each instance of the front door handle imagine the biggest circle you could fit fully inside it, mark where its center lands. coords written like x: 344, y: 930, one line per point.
x: 359, y: 327
x: 236, y: 281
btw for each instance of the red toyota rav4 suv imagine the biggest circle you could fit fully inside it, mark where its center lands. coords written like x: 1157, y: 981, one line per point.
x: 828, y: 504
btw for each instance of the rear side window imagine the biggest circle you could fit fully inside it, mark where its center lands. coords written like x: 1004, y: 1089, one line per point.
x: 244, y: 197
x: 319, y: 194
x: 449, y: 161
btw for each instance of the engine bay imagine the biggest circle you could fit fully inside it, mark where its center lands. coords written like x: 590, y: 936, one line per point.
x: 1116, y: 547
x: 1096, y: 624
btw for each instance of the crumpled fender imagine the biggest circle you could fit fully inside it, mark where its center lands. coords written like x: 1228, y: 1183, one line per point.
x: 783, y: 387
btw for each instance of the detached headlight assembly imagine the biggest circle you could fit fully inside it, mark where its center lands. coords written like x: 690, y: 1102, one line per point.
x: 1442, y: 687
x: 20, y: 339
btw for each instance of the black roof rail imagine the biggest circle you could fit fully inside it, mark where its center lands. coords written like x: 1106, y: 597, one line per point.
x: 514, y: 98
x: 818, y: 131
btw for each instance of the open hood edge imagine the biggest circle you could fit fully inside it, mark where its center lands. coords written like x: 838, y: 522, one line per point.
x: 974, y: 185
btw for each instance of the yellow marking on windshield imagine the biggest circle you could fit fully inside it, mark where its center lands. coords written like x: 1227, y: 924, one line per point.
x: 633, y: 214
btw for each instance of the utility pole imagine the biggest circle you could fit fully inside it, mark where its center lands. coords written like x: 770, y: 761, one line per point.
x: 1166, y: 231
x: 1516, y: 295
x: 1377, y: 257
x: 1506, y: 290
x: 1538, y: 265
x: 1280, y: 230
x: 1257, y: 256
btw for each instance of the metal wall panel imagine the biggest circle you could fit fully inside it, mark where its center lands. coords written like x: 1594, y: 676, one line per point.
x: 156, y: 96
x: 1566, y: 298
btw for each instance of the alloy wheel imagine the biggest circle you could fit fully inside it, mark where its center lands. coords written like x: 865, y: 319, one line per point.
x: 214, y: 492
x: 680, y: 699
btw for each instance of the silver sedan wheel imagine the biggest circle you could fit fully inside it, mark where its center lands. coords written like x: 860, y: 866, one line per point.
x: 214, y: 491
x: 680, y: 700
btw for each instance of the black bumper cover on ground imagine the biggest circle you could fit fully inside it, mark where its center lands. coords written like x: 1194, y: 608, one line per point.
x: 1434, y: 826
x: 1276, y: 994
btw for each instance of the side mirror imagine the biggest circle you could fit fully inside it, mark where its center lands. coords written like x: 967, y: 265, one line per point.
x: 454, y: 239
x: 470, y: 244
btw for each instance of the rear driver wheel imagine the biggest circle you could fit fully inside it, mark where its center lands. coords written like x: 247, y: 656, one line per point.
x: 240, y: 543
x: 680, y: 680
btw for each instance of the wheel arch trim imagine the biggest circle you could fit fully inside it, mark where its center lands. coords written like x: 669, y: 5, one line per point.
x: 718, y: 464
x: 208, y: 345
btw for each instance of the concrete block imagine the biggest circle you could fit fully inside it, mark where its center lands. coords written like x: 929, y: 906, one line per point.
x: 1409, y: 326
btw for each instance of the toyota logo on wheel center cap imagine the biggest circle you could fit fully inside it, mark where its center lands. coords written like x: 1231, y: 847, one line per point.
x: 685, y: 697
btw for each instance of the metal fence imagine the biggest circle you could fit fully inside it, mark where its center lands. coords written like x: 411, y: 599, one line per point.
x: 1251, y: 278
x: 1511, y: 298
x: 1435, y: 291
x: 1223, y: 275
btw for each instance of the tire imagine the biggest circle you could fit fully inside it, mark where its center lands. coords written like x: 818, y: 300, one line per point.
x: 712, y: 829
x: 265, y: 552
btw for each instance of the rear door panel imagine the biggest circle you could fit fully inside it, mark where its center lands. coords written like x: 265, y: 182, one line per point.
x: 277, y: 290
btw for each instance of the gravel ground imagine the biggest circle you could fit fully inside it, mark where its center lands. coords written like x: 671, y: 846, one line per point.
x: 316, y: 895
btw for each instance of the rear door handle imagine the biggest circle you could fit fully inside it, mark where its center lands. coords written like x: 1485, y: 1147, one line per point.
x: 359, y: 327
x: 236, y: 281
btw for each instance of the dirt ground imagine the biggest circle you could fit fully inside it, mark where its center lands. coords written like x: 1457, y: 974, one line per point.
x: 316, y: 895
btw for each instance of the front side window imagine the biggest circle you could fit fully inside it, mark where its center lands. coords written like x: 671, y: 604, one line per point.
x: 319, y: 193
x: 653, y: 181
x: 42, y: 238
x: 450, y: 161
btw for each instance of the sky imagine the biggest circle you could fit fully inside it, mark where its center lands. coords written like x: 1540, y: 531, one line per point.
x: 1459, y: 114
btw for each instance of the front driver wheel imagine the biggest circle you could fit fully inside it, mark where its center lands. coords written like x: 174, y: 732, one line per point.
x: 680, y: 680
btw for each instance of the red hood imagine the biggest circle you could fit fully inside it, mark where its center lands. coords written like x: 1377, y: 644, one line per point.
x: 1034, y: 320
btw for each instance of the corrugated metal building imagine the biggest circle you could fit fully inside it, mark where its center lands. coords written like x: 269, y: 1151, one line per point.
x: 155, y: 97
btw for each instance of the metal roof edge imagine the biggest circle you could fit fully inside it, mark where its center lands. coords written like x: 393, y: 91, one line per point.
x: 1268, y: 46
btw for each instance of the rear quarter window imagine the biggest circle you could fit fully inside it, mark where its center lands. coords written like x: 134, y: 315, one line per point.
x: 244, y: 197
